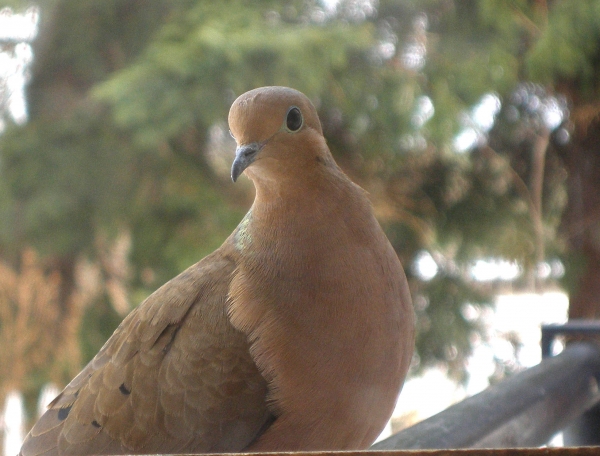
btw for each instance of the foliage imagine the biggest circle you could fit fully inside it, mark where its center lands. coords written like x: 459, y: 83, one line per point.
x: 37, y: 330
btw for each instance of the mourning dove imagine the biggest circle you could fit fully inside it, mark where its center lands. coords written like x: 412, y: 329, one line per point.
x: 296, y: 334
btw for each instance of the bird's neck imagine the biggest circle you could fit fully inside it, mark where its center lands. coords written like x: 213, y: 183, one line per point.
x: 310, y: 196
x: 308, y: 179
x: 285, y: 217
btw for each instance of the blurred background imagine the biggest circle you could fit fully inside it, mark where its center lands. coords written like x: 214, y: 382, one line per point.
x: 474, y: 125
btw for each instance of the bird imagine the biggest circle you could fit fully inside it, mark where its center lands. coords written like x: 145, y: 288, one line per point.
x: 295, y: 335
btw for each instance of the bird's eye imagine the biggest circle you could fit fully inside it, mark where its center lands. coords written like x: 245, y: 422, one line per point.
x: 294, y: 120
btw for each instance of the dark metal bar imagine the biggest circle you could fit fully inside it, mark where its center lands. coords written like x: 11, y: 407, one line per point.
x: 549, y: 332
x: 585, y: 430
x: 525, y: 410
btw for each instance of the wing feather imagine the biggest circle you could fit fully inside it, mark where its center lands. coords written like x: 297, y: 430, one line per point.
x: 174, y: 376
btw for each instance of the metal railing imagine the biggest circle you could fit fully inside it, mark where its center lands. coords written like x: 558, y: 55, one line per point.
x: 525, y: 410
x: 570, y: 328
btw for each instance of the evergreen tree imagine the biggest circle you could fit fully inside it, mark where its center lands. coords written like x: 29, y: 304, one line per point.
x: 123, y: 164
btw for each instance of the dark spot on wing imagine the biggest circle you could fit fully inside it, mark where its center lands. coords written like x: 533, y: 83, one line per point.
x: 63, y: 413
x: 124, y: 389
x: 168, y: 336
x: 96, y: 424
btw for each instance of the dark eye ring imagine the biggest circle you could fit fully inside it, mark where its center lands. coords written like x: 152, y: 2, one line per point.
x: 293, y: 119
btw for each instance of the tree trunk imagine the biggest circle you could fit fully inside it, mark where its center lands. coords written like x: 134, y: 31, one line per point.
x: 581, y: 220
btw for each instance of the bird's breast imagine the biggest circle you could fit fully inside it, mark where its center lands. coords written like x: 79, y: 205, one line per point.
x: 321, y: 295
x: 317, y: 306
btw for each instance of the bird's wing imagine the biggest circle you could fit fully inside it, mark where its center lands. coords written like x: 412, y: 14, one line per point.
x: 174, y: 377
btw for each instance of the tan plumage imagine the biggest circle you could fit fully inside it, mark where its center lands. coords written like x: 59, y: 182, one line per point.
x: 295, y: 334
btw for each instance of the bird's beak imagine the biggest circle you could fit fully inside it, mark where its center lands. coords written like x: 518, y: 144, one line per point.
x: 244, y: 156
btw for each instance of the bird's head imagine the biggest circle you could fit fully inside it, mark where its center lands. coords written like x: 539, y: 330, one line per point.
x: 278, y: 133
